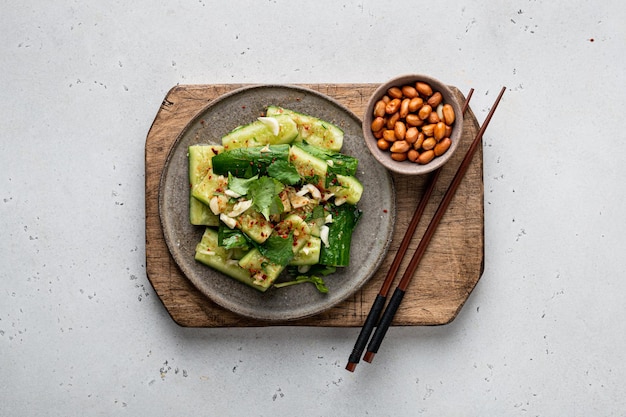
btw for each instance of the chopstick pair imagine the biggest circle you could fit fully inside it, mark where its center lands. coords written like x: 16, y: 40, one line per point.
x: 396, y: 299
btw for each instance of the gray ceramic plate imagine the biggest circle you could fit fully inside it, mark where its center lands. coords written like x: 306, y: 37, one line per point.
x: 370, y: 240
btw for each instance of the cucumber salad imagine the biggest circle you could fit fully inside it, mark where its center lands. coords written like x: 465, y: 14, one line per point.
x: 276, y: 195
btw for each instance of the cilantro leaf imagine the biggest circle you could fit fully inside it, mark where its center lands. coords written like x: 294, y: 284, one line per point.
x: 278, y: 249
x: 265, y: 196
x: 315, y: 280
x: 284, y: 172
x: 231, y: 238
x: 240, y: 185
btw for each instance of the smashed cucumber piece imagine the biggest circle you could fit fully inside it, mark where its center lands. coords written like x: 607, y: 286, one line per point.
x: 200, y: 166
x: 263, y: 131
x: 315, y: 131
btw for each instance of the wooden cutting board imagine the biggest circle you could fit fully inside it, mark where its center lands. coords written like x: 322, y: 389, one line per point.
x: 448, y: 272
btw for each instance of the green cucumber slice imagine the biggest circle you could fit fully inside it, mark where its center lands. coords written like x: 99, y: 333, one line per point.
x: 209, y: 253
x: 315, y: 131
x: 259, y: 133
x: 200, y: 157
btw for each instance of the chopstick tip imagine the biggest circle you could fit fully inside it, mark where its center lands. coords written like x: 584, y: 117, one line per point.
x: 369, y: 356
x: 351, y: 366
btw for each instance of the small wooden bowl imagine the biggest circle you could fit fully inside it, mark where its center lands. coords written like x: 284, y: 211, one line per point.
x: 384, y: 156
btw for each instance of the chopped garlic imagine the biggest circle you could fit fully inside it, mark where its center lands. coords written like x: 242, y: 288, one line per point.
x: 330, y: 163
x: 310, y: 189
x: 266, y: 148
x: 232, y: 194
x: 303, y: 269
x: 328, y: 219
x: 216, y: 204
x: 228, y: 221
x: 240, y: 207
x: 324, y: 230
x: 340, y: 200
x: 272, y: 123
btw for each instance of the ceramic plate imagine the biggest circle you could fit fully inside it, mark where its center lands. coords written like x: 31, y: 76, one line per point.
x: 370, y: 240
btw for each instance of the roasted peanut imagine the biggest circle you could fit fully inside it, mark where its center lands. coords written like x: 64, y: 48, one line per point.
x: 392, y: 106
x: 409, y: 91
x: 400, y: 146
x: 411, y: 134
x: 424, y: 88
x: 435, y: 99
x: 439, y: 131
x: 394, y: 92
x: 433, y: 117
x: 391, y: 120
x: 397, y: 156
x: 413, y: 120
x: 379, y: 133
x: 428, y: 130
x: 429, y: 143
x: 425, y: 157
x: 442, y: 146
x: 415, y: 104
x: 400, y: 130
x: 448, y: 114
x: 448, y: 131
x: 424, y: 111
x: 412, y: 155
x: 389, y: 135
x: 420, y: 140
x: 404, y: 108
x: 382, y: 144
x: 377, y: 124
x: 379, y: 108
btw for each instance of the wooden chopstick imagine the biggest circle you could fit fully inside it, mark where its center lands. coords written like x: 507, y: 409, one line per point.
x: 398, y: 294
x: 379, y: 301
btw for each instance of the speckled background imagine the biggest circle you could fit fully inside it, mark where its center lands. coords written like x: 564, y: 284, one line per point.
x: 83, y: 334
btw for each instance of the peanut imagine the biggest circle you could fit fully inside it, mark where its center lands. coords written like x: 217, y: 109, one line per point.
x: 400, y: 130
x: 448, y: 114
x: 412, y: 155
x: 377, y: 124
x: 424, y: 88
x: 389, y: 135
x: 424, y: 111
x: 439, y: 131
x: 425, y: 157
x: 442, y: 146
x: 400, y: 146
x: 409, y: 91
x: 411, y: 134
x: 404, y: 108
x: 415, y: 104
x: 392, y: 106
x: 429, y: 143
x: 395, y: 92
x: 382, y: 144
x: 379, y: 108
x: 396, y: 156
x: 435, y: 99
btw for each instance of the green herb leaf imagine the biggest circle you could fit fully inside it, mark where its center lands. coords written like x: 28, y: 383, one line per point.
x: 284, y: 172
x: 278, y: 249
x: 315, y: 280
x: 265, y: 196
x: 240, y: 185
x: 231, y: 238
